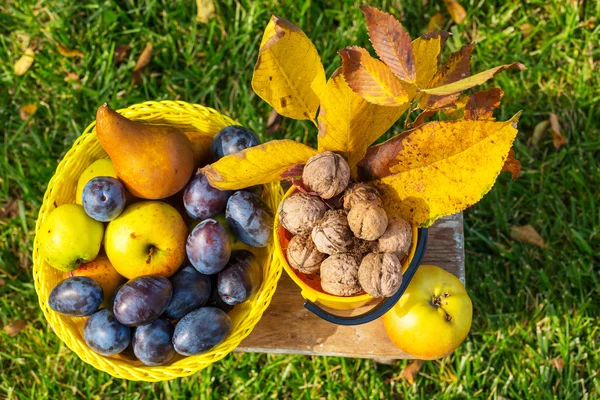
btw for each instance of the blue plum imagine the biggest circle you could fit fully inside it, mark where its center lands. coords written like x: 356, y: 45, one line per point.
x: 215, y: 300
x: 191, y: 290
x: 249, y: 218
x: 208, y: 247
x: 103, y: 198
x: 153, y: 342
x: 202, y: 200
x: 201, y: 330
x: 77, y: 296
x: 104, y: 334
x: 142, y: 300
x: 232, y: 139
x: 240, y: 279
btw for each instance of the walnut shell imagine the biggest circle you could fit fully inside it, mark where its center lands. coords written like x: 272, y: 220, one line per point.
x: 303, y: 255
x: 300, y: 212
x: 361, y: 193
x: 397, y: 238
x: 380, y: 275
x: 339, y: 275
x: 332, y: 234
x: 327, y: 174
x: 368, y: 221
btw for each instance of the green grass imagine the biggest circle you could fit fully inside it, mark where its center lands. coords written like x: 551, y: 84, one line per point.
x: 533, y: 307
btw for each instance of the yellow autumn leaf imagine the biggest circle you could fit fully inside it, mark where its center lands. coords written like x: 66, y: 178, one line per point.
x: 23, y: 63
x: 348, y: 124
x: 445, y: 167
x: 288, y: 74
x: 67, y: 52
x: 426, y: 52
x: 436, y: 22
x: 257, y: 165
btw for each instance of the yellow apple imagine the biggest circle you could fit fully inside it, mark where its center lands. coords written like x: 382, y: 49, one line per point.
x: 433, y: 316
x: 148, y: 238
x: 102, y: 271
x: 102, y: 167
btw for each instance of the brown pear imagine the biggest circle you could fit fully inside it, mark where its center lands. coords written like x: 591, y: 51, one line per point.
x: 153, y: 161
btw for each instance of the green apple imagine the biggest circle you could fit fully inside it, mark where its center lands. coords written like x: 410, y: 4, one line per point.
x: 148, y: 238
x: 69, y: 237
x: 102, y: 167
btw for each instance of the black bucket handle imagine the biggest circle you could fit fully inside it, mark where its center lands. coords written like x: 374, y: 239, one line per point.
x: 386, y: 304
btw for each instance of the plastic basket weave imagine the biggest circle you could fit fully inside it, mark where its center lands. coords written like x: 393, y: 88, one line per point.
x: 61, y: 190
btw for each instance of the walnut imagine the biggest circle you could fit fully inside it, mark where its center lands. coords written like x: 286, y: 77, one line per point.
x: 339, y: 275
x: 361, y: 193
x: 397, y: 238
x: 368, y: 221
x: 300, y: 212
x: 332, y: 234
x: 303, y: 255
x: 327, y: 174
x: 380, y: 275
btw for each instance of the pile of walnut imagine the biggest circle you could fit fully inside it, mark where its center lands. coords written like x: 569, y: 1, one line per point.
x: 343, y: 233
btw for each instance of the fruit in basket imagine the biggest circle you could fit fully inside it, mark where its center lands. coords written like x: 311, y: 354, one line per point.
x: 249, y: 218
x: 153, y: 161
x: 380, y: 274
x: 76, y: 297
x: 327, y: 174
x: 300, y: 212
x: 397, y: 238
x: 232, y: 139
x: 148, y: 238
x: 104, y: 334
x: 201, y: 143
x: 191, y: 290
x: 332, y: 235
x: 201, y: 330
x: 367, y: 221
x: 101, y: 167
x: 433, y: 316
x: 203, y: 201
x: 339, y: 275
x: 142, y: 300
x: 302, y: 254
x: 208, y: 247
x: 240, y: 279
x: 103, y: 198
x: 153, y: 342
x: 361, y: 193
x: 215, y: 300
x: 236, y: 244
x: 68, y: 237
x: 102, y: 271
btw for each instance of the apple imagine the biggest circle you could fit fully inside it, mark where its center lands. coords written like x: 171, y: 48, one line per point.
x: 433, y: 316
x: 148, y: 238
x: 102, y: 271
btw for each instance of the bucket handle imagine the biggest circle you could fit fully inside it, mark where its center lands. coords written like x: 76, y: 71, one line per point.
x: 386, y: 304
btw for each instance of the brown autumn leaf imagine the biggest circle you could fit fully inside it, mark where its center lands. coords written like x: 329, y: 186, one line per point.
x: 539, y: 131
x: 205, y: 10
x: 13, y: 328
x: 2, y: 282
x: 456, y: 11
x: 294, y: 172
x: 557, y: 137
x: 143, y: 60
x: 481, y: 105
x: 121, y: 52
x: 527, y: 234
x: 27, y: 110
x: 274, y: 121
x: 558, y: 363
x: 436, y: 22
x: 24, y: 63
x: 67, y: 52
x: 420, y: 120
x: 71, y: 76
x: 391, y: 42
x: 512, y: 165
x: 443, y: 35
x: 526, y: 29
x: 411, y: 371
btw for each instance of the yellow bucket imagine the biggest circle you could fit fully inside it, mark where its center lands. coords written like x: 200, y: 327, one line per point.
x: 61, y: 190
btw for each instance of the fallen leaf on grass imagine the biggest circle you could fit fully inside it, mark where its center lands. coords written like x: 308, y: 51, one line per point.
x: 15, y: 327
x: 27, y: 110
x: 538, y: 132
x: 206, y: 10
x: 558, y: 363
x: 72, y: 76
x: 274, y: 122
x: 141, y: 63
x: 436, y: 22
x: 411, y: 371
x: 67, y: 52
x: 23, y: 63
x: 557, y: 137
x: 512, y: 165
x: 10, y: 210
x: 2, y: 282
x: 527, y: 234
x: 526, y: 29
x: 121, y: 52
x: 456, y: 11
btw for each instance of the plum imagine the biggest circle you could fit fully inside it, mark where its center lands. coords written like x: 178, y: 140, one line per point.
x: 232, y: 139
x: 215, y: 300
x: 201, y: 330
x: 77, y: 296
x: 153, y: 342
x: 203, y: 201
x: 104, y: 334
x: 249, y: 218
x: 208, y: 247
x: 240, y: 279
x: 191, y: 290
x: 142, y: 300
x: 103, y: 198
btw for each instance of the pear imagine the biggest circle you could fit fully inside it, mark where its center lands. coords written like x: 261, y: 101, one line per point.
x: 153, y: 161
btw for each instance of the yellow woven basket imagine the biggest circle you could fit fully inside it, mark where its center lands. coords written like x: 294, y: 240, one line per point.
x: 61, y: 190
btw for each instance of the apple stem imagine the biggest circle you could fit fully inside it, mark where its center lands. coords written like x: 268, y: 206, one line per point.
x: 150, y: 253
x: 437, y: 303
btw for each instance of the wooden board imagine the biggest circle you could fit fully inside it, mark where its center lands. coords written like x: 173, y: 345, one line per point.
x: 288, y: 328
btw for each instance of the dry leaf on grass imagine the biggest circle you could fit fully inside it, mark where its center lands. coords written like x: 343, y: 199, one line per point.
x: 436, y: 22
x: 558, y: 363
x: 10, y: 210
x: 121, y: 52
x: 538, y: 132
x: 143, y: 60
x: 526, y: 29
x: 71, y: 76
x: 27, y: 111
x: 274, y: 121
x: 23, y: 63
x: 456, y: 11
x: 15, y: 327
x: 2, y: 282
x: 67, y: 52
x: 411, y: 371
x: 527, y: 234
x: 557, y: 137
x: 206, y: 10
